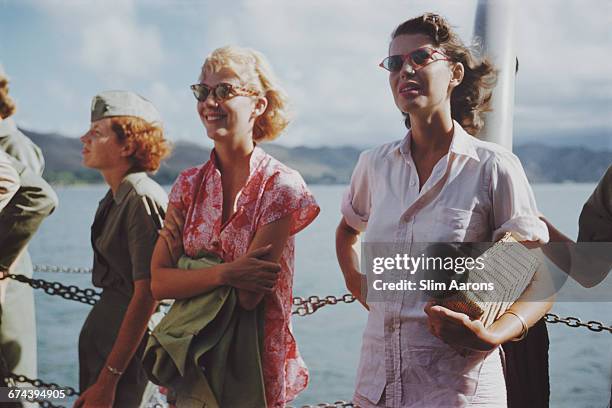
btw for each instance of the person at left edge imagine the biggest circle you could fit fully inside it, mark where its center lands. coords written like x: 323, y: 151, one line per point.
x: 20, y: 218
x: 125, y: 140
x: 9, y: 184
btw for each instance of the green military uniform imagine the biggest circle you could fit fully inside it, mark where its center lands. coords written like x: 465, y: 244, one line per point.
x: 19, y: 220
x: 123, y: 236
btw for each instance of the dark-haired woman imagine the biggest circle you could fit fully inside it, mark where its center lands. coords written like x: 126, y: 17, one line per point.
x: 437, y: 184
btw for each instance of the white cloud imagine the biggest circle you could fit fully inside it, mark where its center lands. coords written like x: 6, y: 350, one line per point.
x: 117, y: 47
x: 565, y: 54
x: 108, y: 39
x: 326, y: 54
x: 177, y: 108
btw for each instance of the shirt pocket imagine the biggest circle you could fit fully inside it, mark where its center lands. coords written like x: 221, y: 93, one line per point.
x: 371, y: 373
x: 459, y: 225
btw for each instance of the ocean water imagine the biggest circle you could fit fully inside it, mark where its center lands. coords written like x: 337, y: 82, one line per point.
x: 329, y: 340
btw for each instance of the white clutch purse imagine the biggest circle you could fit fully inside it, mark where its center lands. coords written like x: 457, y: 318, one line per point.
x: 510, y: 267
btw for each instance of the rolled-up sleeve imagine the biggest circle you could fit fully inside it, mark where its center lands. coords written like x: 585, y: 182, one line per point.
x: 286, y: 194
x: 357, y: 201
x: 514, y: 206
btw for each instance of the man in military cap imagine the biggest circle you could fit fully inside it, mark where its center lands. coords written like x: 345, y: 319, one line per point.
x: 22, y: 209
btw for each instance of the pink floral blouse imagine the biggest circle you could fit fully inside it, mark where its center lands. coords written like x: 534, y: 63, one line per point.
x: 272, y: 191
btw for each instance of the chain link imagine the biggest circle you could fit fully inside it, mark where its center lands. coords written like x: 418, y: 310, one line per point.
x: 576, y: 322
x: 44, y: 403
x: 41, y: 384
x: 38, y: 383
x: 62, y: 269
x: 307, y: 306
x: 337, y: 404
x: 70, y: 292
x: 304, y: 306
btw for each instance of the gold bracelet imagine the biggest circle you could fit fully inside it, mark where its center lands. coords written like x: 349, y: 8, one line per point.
x: 525, y: 328
x: 114, y: 371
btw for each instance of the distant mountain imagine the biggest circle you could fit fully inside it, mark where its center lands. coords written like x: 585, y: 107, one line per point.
x: 317, y: 165
x: 593, y: 139
x: 322, y: 165
x: 546, y: 164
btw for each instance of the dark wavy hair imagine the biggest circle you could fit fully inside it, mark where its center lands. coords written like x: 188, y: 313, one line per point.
x: 472, y: 97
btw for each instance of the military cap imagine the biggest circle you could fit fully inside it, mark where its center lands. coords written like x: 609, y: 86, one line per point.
x: 123, y: 103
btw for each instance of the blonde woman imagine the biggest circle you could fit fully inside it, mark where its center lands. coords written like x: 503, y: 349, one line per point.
x: 243, y: 206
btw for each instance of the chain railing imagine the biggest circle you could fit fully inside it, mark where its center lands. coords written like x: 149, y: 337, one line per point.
x: 70, y: 292
x: 337, y: 404
x: 63, y: 269
x: 303, y: 307
x: 38, y: 383
x: 309, y: 305
x: 576, y: 322
x: 44, y: 403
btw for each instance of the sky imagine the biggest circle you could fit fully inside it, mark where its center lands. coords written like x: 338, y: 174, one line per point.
x: 58, y: 54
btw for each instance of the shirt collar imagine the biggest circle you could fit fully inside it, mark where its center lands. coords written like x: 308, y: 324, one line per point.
x: 257, y: 156
x: 127, y: 184
x: 461, y: 144
x: 7, y: 126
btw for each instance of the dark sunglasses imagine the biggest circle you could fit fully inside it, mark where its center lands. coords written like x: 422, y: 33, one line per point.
x: 220, y: 92
x: 417, y: 59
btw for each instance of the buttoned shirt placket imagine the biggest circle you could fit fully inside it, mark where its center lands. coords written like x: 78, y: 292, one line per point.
x: 404, y: 240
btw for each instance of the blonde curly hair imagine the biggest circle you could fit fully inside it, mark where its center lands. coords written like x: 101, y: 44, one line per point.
x: 254, y: 69
x: 150, y: 147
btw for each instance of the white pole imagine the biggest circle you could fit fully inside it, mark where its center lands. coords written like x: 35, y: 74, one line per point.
x: 494, y: 27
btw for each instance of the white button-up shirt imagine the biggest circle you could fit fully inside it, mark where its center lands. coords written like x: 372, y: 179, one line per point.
x: 476, y: 193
